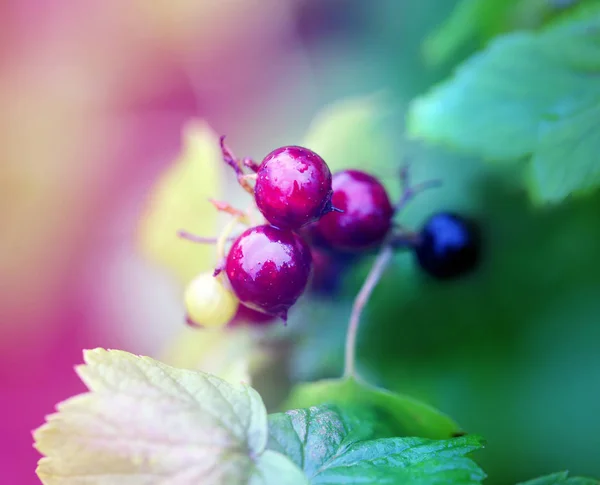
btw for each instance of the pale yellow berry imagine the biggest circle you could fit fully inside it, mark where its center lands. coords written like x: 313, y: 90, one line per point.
x: 208, y: 302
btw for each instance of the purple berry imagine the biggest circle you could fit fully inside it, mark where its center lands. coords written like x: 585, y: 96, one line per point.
x: 247, y: 316
x: 448, y: 246
x: 268, y: 269
x: 293, y: 187
x: 366, y: 212
x: 329, y: 268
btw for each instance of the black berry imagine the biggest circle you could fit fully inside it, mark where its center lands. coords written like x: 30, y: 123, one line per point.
x: 448, y: 246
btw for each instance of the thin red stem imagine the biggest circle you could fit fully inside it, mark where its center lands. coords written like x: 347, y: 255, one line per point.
x: 196, y: 239
x: 379, y: 266
x: 188, y: 236
x: 226, y: 207
x: 408, y: 191
x: 251, y: 164
x: 235, y: 164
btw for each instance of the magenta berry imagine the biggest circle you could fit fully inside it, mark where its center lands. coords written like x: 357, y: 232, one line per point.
x: 293, y: 187
x: 268, y: 269
x: 366, y: 212
x: 247, y: 316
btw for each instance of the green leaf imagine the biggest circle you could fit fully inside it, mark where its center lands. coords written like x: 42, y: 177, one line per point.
x: 320, y: 425
x: 523, y: 96
x: 560, y: 478
x: 475, y: 22
x: 470, y: 20
x: 565, y: 160
x: 144, y: 422
x: 333, y: 446
x: 406, y: 416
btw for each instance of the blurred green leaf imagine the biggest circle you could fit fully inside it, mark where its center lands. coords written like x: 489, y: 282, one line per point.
x: 333, y: 447
x: 473, y: 23
x: 471, y: 19
x: 233, y: 353
x: 566, y: 158
x: 354, y: 133
x: 560, y: 478
x: 179, y: 196
x: 405, y: 415
x: 516, y: 98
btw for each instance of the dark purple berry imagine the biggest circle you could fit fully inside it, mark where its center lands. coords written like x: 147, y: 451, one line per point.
x: 293, y: 187
x: 329, y: 268
x: 366, y: 212
x: 268, y: 269
x: 247, y: 316
x: 448, y: 246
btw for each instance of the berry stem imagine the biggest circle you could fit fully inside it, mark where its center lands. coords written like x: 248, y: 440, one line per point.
x: 384, y: 257
x: 405, y: 239
x: 251, y: 164
x: 408, y: 191
x: 224, y: 237
x: 234, y: 163
x: 188, y: 236
x: 379, y: 266
x: 249, y: 177
x: 196, y: 239
x: 227, y: 208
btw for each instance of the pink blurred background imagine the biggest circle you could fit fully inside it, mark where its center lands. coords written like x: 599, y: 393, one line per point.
x: 93, y: 95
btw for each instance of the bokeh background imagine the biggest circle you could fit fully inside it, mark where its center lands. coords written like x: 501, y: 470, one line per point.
x: 95, y: 98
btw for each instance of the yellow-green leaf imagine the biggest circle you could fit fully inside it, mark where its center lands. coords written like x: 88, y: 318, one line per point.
x: 144, y: 422
x: 232, y: 353
x: 180, y: 201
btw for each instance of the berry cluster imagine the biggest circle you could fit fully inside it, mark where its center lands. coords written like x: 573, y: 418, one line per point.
x: 314, y: 222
